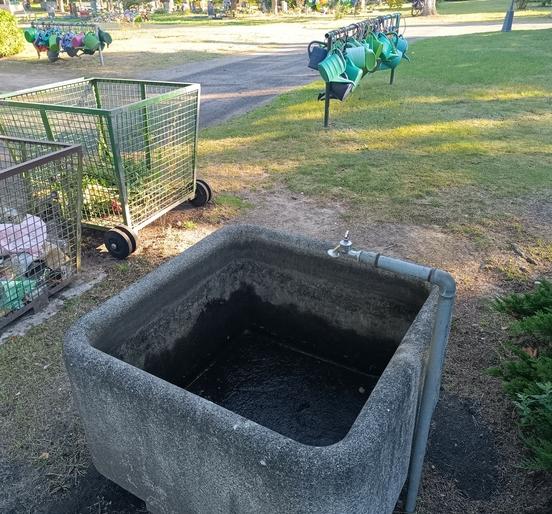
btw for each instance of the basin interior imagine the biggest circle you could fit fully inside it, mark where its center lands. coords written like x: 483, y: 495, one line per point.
x: 278, y: 367
x: 285, y: 348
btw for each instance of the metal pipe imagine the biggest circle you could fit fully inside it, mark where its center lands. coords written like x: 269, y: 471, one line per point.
x: 439, y: 337
x: 432, y: 382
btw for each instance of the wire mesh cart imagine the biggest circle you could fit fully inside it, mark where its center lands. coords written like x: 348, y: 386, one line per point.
x: 40, y: 210
x: 139, y: 142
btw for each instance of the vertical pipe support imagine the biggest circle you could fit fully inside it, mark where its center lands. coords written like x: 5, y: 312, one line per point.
x: 432, y: 382
x: 197, y: 110
x: 78, y: 202
x: 119, y: 171
x: 434, y: 366
x: 46, y: 123
x: 100, y: 51
x: 327, y: 106
x: 145, y: 121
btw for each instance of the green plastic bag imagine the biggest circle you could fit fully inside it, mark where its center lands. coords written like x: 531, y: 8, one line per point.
x: 14, y: 292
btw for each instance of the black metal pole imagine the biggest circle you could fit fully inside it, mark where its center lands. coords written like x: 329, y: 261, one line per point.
x: 327, y: 93
x: 327, y: 106
x: 392, y: 77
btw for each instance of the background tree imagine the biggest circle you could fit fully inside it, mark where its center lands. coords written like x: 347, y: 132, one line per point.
x: 11, y: 37
x: 430, y: 8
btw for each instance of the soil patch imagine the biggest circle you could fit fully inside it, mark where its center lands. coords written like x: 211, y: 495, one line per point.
x: 462, y: 447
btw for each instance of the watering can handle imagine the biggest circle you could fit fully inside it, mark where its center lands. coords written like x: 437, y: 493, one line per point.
x: 339, y: 52
x: 319, y: 43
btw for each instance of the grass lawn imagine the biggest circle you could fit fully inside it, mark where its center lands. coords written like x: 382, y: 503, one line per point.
x: 470, y: 118
x: 489, y: 6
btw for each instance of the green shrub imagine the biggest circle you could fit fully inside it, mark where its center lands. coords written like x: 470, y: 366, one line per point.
x: 533, y: 313
x: 542, y: 454
x: 523, y: 305
x: 539, y: 326
x: 11, y: 38
x: 394, y: 4
x: 528, y: 378
x: 535, y: 414
x: 521, y: 372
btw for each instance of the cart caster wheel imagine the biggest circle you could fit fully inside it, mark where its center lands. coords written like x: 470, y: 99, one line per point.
x: 202, y: 195
x: 207, y: 186
x: 131, y: 234
x: 117, y: 243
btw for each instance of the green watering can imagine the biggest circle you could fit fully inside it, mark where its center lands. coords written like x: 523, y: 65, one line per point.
x: 400, y: 43
x: 332, y: 70
x: 362, y: 57
x: 357, y: 55
x: 53, y: 43
x: 332, y: 66
x: 374, y: 44
x: 388, y: 50
x: 30, y: 34
x: 392, y: 63
x: 91, y: 42
x: 353, y: 72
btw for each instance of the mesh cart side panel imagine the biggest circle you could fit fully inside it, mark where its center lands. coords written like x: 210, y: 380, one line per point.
x: 138, y: 139
x: 39, y: 224
x: 157, y: 149
x: 79, y: 94
x: 101, y: 199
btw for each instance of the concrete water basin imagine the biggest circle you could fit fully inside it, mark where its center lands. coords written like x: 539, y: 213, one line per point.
x: 255, y: 374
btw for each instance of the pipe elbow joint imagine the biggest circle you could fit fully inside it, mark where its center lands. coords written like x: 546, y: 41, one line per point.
x: 445, y: 281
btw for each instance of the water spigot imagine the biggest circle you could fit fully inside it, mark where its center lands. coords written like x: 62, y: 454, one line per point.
x: 343, y: 248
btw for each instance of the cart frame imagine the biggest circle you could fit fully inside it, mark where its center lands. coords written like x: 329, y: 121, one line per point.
x: 105, y: 120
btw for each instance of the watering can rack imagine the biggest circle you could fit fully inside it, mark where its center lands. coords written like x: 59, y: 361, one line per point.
x: 350, y: 53
x: 71, y: 38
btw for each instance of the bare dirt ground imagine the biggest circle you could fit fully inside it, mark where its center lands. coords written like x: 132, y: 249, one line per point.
x: 473, y: 458
x: 474, y: 453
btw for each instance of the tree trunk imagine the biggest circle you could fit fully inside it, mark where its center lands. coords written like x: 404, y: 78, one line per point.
x: 60, y: 6
x: 430, y: 8
x: 275, y: 6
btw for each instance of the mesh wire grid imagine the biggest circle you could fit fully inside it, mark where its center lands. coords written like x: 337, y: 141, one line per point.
x: 39, y: 222
x: 138, y: 138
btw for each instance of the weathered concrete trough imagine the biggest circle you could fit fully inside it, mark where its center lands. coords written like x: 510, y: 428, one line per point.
x: 255, y: 374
